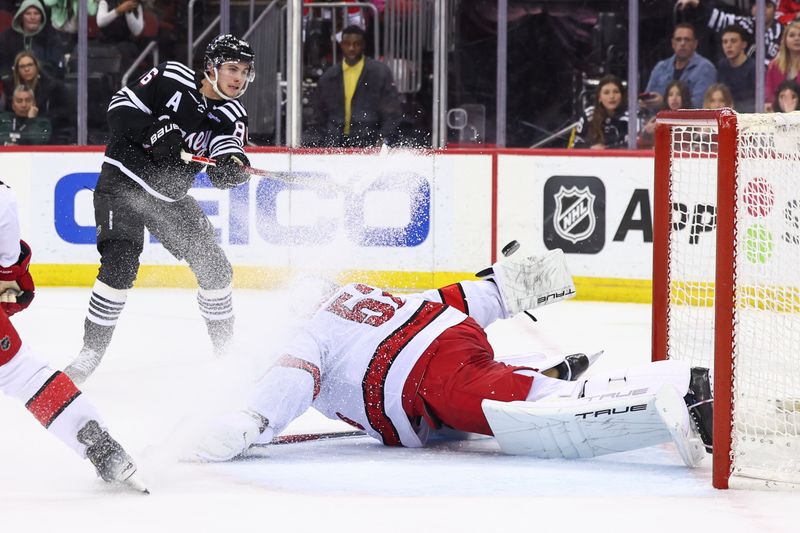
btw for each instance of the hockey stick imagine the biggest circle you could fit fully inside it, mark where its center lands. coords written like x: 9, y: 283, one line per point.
x: 309, y: 437
x: 286, y: 177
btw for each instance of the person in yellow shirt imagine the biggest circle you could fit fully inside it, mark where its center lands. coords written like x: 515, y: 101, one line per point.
x: 356, y: 102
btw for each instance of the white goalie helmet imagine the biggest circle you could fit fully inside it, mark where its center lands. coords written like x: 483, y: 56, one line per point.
x: 224, y: 49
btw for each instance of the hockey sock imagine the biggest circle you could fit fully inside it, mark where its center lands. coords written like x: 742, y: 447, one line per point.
x: 105, y: 306
x: 216, y: 306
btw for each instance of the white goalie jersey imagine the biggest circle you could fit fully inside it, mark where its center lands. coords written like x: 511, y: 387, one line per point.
x: 352, y: 359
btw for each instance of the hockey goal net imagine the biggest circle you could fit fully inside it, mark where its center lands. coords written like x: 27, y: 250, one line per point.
x: 726, y: 280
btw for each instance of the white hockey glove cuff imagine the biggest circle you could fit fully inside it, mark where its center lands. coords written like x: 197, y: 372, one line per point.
x: 230, y: 436
x: 532, y: 282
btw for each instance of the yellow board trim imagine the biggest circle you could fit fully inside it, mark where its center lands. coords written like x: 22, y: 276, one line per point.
x: 249, y: 277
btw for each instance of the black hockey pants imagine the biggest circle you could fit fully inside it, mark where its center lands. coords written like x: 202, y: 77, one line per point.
x: 123, y: 210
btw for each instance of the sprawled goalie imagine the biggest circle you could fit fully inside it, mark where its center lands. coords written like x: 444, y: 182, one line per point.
x: 400, y: 367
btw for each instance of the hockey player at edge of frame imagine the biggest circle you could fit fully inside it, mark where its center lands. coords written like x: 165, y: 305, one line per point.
x: 50, y: 396
x: 144, y: 183
x: 401, y: 367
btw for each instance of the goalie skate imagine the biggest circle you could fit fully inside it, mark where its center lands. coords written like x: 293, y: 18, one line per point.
x: 112, y: 463
x: 700, y: 403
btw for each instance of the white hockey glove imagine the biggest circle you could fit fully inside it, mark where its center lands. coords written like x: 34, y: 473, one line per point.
x: 531, y: 282
x: 231, y: 435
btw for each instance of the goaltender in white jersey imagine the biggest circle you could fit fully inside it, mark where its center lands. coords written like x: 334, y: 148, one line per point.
x: 400, y: 367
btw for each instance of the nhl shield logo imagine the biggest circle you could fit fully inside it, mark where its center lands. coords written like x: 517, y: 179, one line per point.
x: 5, y: 343
x: 574, y: 219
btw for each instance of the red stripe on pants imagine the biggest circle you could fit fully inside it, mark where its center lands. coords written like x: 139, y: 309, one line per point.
x: 55, y: 395
x: 455, y: 374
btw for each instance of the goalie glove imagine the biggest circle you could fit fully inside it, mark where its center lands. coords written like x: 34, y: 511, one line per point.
x: 230, y: 435
x: 229, y: 171
x: 165, y: 140
x: 531, y: 282
x: 17, y: 276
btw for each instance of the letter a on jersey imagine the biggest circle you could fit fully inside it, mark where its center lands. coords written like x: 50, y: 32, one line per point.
x: 174, y: 102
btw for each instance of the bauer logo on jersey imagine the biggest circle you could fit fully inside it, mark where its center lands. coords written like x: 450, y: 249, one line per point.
x: 574, y: 214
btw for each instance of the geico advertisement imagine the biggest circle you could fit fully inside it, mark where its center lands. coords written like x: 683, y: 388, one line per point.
x: 345, y: 211
x: 597, y: 209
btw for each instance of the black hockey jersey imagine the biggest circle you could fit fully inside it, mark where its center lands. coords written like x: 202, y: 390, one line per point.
x: 169, y: 91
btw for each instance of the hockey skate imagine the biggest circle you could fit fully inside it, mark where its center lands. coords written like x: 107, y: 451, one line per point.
x: 82, y: 367
x: 110, y: 460
x: 700, y: 402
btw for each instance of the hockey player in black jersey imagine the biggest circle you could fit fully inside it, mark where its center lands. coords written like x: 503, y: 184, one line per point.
x: 144, y: 182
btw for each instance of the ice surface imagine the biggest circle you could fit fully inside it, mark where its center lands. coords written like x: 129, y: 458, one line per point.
x: 159, y: 382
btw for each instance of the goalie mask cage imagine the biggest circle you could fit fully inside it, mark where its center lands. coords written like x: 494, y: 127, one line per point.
x: 726, y: 280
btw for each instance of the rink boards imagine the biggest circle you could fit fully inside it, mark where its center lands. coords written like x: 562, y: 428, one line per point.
x: 406, y: 220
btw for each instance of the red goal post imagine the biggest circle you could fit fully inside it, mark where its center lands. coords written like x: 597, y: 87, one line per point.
x: 726, y: 280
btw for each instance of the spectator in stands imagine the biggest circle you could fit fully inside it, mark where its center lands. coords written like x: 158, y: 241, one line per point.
x: 786, y: 65
x: 25, y: 71
x: 64, y: 14
x: 677, y: 96
x: 718, y: 96
x: 787, y: 98
x: 121, y: 23
x: 718, y: 18
x: 737, y: 70
x: 29, y: 31
x: 605, y: 124
x: 22, y: 125
x: 685, y: 65
x: 50, y: 94
x: 64, y: 20
x: 356, y: 102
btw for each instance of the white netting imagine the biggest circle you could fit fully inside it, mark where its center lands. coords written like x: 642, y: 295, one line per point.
x: 766, y: 343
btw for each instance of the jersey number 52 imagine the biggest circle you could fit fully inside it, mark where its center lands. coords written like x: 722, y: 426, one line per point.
x: 370, y: 311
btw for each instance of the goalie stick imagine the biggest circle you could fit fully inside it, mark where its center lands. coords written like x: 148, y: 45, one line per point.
x: 309, y: 437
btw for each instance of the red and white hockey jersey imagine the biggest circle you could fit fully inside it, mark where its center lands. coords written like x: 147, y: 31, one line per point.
x: 351, y: 360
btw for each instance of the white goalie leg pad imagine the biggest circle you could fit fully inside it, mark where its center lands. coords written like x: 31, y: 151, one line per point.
x: 532, y: 282
x: 589, y: 428
x: 650, y: 375
x: 577, y: 428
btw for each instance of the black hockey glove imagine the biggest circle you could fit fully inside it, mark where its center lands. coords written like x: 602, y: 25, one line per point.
x: 229, y: 171
x: 165, y: 140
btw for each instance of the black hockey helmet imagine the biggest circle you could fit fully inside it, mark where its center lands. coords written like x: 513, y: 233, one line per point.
x: 225, y: 48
